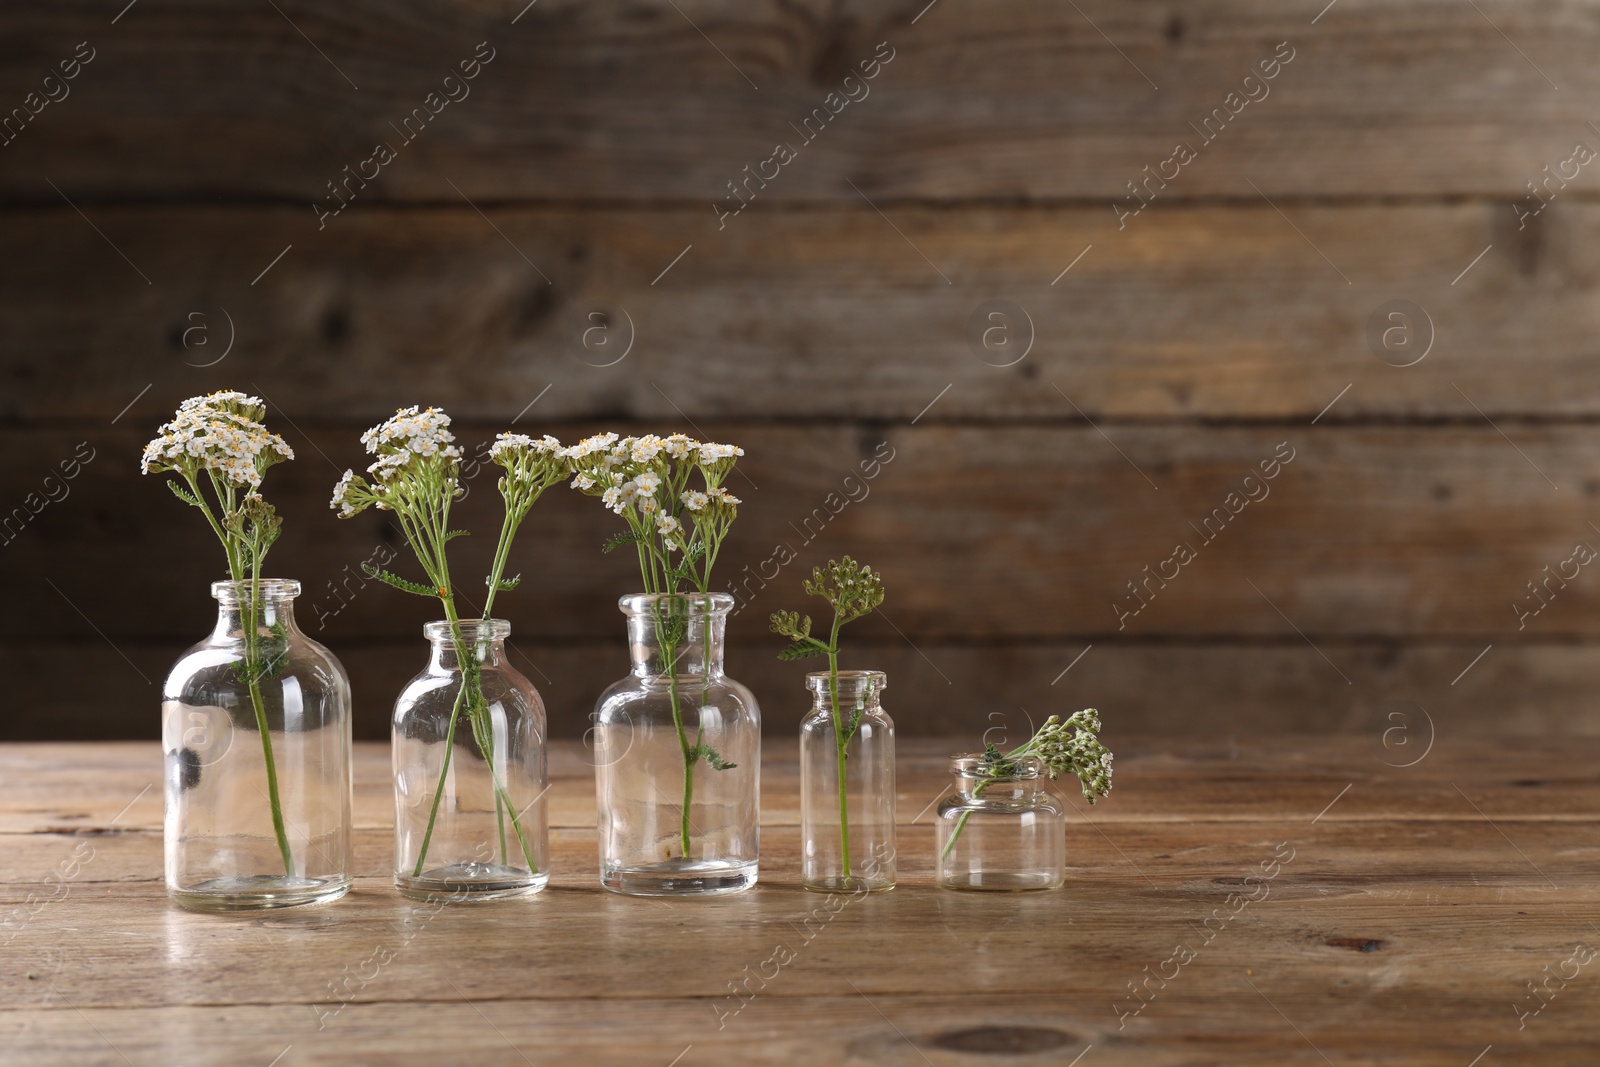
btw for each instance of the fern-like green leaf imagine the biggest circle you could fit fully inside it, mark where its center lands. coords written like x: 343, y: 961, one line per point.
x: 507, y: 584
x: 184, y: 495
x: 451, y: 535
x: 804, y: 650
x: 397, y: 581
x: 627, y: 537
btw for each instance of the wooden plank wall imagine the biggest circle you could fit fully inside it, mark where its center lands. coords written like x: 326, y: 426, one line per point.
x: 169, y: 226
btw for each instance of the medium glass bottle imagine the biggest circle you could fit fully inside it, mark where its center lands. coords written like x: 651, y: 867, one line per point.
x: 677, y: 756
x: 256, y: 733
x: 1001, y: 829
x: 470, y: 771
x: 847, y: 831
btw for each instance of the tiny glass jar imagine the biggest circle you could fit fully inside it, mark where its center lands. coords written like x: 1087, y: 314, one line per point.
x: 256, y: 735
x: 847, y: 831
x: 1001, y: 829
x: 470, y: 771
x: 677, y: 749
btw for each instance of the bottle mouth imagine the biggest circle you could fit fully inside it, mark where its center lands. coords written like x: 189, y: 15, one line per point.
x: 851, y: 683
x: 693, y: 604
x: 471, y: 630
x: 231, y: 592
x: 979, y: 765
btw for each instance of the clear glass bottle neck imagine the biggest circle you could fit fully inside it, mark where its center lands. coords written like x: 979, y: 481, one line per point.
x: 1023, y: 779
x: 676, y: 634
x: 270, y: 605
x: 479, y: 641
x: 856, y: 689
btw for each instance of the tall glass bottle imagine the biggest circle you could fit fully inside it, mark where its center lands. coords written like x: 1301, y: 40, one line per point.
x: 677, y: 756
x: 470, y: 771
x: 847, y: 793
x: 1001, y: 828
x: 256, y: 732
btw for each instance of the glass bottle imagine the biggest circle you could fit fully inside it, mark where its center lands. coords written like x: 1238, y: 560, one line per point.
x: 1001, y: 829
x: 852, y: 848
x: 256, y: 735
x: 677, y: 756
x: 470, y: 771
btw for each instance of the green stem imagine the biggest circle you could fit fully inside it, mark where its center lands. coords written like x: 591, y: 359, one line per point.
x: 253, y: 666
x: 961, y: 823
x: 839, y: 741
x: 669, y: 653
x: 438, y: 792
x: 500, y: 818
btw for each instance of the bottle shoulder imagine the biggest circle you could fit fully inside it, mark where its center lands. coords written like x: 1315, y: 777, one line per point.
x: 633, y: 695
x: 955, y: 805
x: 215, y: 664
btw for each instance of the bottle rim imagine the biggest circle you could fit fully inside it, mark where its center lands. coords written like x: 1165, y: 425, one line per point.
x: 851, y: 682
x: 978, y: 765
x: 692, y: 603
x: 231, y: 592
x: 472, y: 630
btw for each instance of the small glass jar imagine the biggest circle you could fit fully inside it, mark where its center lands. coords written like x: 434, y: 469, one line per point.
x: 847, y: 832
x: 256, y: 732
x: 1001, y: 829
x: 677, y: 756
x: 470, y: 771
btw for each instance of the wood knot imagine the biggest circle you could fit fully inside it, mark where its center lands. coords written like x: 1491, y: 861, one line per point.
x: 1355, y: 944
x: 1003, y: 1040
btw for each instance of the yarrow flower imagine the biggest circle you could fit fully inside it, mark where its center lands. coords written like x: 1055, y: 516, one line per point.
x: 220, y: 434
x: 711, y: 452
x: 341, y: 495
x: 676, y: 531
x: 590, y: 445
x: 851, y: 590
x: 425, y: 433
x: 646, y: 480
x: 416, y: 476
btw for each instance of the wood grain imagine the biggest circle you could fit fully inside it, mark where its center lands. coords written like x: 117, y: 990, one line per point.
x: 1220, y: 312
x: 1364, y: 532
x: 1228, y: 688
x: 1022, y: 100
x: 1413, y: 909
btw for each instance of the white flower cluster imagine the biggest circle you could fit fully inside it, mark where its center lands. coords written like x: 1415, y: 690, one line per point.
x: 412, y: 432
x: 341, y: 496
x: 509, y: 445
x: 414, y: 447
x: 221, y: 433
x: 711, y: 452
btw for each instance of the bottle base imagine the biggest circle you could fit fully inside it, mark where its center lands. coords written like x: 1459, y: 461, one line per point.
x: 1002, y: 881
x: 256, y: 892
x: 468, y: 882
x: 680, y: 878
x: 841, y: 884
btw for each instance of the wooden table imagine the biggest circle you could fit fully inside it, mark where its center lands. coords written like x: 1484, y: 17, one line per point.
x: 1396, y: 915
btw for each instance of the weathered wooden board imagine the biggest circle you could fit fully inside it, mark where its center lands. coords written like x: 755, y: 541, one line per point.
x: 1033, y: 533
x: 1220, y: 312
x: 1018, y: 100
x: 61, y: 789
x: 1190, y: 688
x: 1403, y: 924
